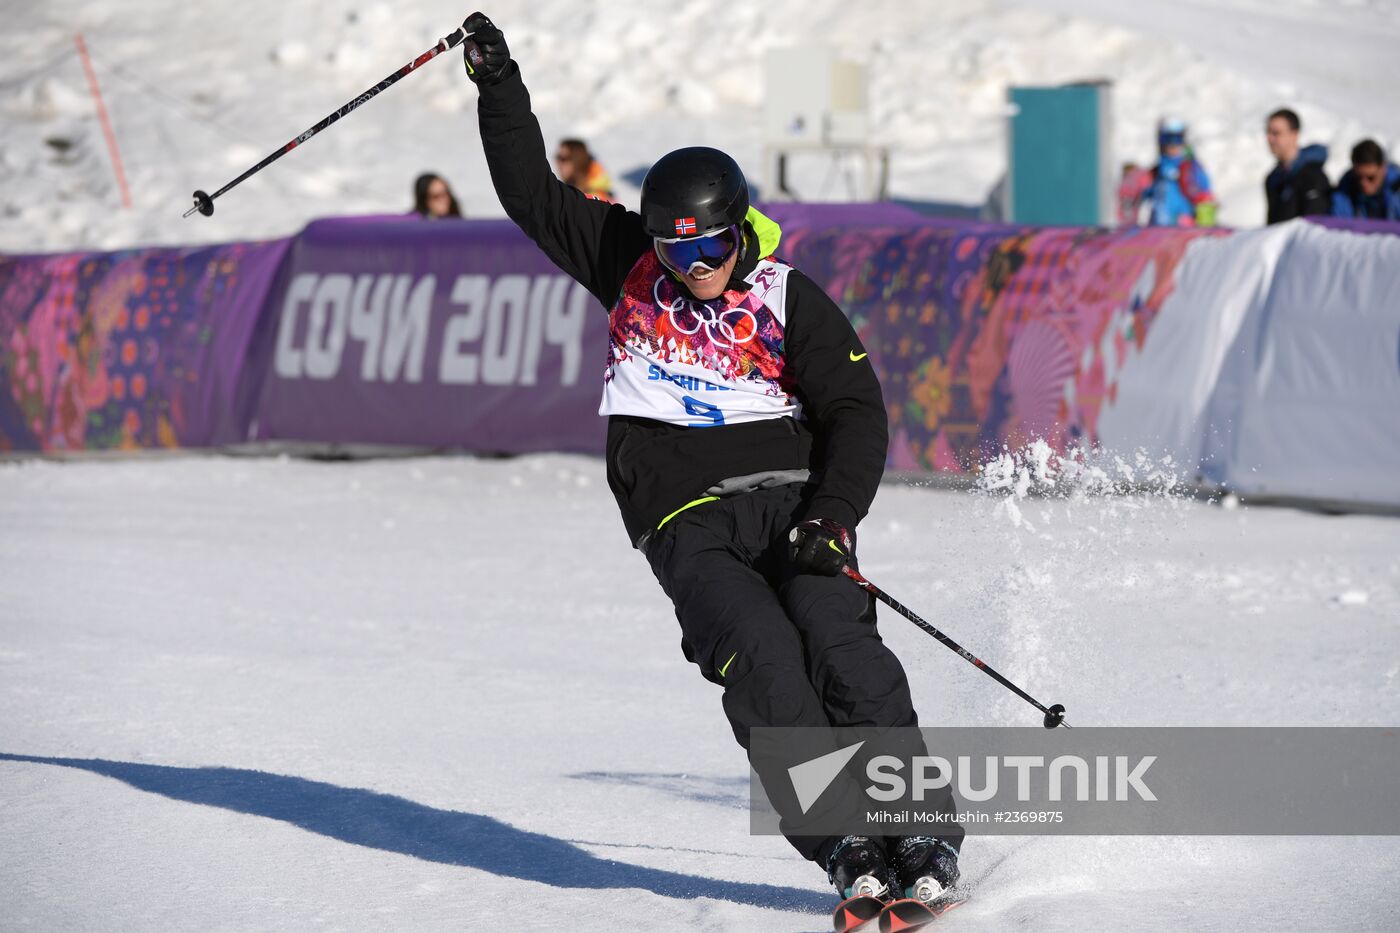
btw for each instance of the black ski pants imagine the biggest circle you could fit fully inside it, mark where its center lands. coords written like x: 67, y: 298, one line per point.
x: 789, y: 649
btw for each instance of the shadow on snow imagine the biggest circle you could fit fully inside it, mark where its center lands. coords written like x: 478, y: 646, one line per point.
x: 393, y: 824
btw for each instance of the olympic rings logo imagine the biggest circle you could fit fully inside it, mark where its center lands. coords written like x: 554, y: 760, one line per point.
x: 724, y: 329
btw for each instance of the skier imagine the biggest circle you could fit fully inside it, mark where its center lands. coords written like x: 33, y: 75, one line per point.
x: 746, y: 439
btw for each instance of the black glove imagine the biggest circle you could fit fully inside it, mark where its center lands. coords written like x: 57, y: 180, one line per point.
x: 820, y: 545
x: 484, y: 50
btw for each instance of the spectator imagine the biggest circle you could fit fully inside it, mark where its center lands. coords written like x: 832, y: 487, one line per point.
x: 1179, y: 194
x: 576, y: 166
x: 1371, y: 187
x: 1298, y: 185
x: 433, y: 199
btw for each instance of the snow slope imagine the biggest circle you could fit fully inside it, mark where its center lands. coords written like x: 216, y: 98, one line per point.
x: 421, y: 694
x: 200, y: 92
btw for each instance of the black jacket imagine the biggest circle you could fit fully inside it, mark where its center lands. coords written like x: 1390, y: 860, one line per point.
x: 1301, y: 189
x: 655, y: 468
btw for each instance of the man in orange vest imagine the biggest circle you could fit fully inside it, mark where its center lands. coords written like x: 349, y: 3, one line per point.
x: 576, y: 166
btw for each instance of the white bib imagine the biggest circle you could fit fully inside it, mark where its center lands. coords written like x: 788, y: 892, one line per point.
x: 672, y: 358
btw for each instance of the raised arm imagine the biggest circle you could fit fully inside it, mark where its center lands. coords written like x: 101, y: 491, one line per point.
x: 594, y: 242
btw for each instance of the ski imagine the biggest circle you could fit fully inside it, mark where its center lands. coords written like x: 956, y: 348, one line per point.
x: 910, y: 914
x: 856, y: 914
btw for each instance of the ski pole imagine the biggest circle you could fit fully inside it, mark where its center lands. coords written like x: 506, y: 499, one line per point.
x: 204, y: 203
x: 1054, y: 715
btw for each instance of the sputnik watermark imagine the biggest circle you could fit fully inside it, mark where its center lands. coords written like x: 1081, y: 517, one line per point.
x: 1113, y: 778
x: 1089, y: 781
x: 1105, y: 778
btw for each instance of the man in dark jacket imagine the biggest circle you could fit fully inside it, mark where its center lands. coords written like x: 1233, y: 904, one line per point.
x: 1298, y: 184
x: 746, y: 440
x: 1371, y: 187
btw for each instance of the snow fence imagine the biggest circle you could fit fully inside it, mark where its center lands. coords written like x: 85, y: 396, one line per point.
x: 1267, y: 361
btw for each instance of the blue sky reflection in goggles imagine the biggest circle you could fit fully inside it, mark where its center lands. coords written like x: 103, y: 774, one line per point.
x: 681, y: 255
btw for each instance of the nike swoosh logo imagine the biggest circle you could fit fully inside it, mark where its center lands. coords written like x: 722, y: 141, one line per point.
x: 857, y: 359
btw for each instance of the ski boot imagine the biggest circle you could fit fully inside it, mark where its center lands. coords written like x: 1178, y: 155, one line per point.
x: 926, y: 870
x: 857, y: 868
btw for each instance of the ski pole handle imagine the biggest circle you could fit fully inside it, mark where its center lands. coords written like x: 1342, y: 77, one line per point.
x: 471, y: 49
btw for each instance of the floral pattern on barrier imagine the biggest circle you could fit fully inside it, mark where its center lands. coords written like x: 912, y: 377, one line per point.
x: 126, y: 350
x: 989, y: 336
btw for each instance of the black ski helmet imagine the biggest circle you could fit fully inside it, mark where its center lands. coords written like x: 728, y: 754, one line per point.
x: 693, y: 192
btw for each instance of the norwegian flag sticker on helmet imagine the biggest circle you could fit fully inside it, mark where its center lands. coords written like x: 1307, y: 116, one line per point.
x: 685, y: 225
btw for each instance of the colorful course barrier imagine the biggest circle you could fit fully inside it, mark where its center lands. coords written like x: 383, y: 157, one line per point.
x: 1269, y: 360
x: 987, y: 337
x: 133, y: 349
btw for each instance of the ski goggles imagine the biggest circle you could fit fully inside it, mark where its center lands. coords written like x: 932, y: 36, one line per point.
x: 683, y: 254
